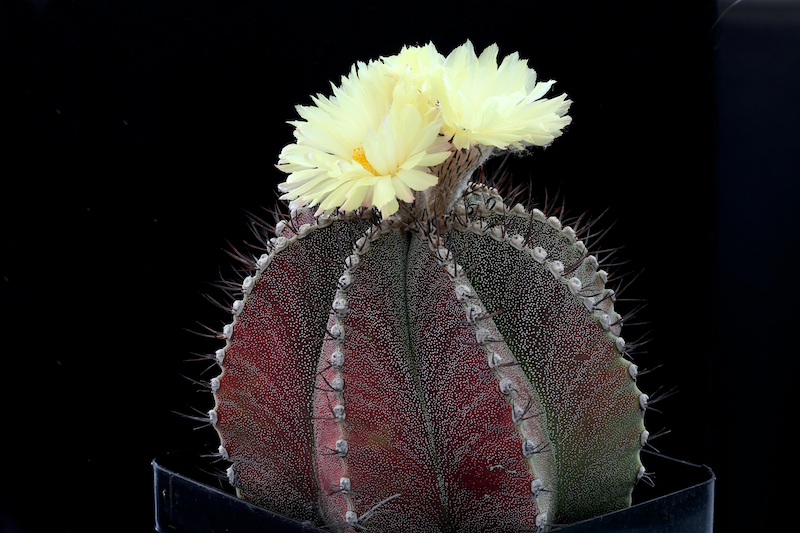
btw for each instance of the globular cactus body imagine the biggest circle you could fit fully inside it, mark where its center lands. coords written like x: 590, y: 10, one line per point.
x: 461, y: 373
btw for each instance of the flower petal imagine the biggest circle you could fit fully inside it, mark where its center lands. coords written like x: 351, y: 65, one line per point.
x: 417, y: 180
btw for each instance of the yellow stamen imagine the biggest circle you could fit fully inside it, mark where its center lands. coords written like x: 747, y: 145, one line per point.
x: 360, y: 157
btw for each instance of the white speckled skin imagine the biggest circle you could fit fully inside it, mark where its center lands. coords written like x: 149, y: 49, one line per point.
x: 462, y: 375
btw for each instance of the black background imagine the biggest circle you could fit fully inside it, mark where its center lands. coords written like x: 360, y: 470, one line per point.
x: 136, y: 134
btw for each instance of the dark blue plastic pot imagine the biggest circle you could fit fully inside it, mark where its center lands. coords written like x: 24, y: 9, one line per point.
x: 190, y: 499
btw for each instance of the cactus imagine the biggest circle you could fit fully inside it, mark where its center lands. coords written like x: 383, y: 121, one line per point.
x: 453, y: 366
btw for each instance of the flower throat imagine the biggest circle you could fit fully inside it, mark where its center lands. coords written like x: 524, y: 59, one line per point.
x: 360, y: 157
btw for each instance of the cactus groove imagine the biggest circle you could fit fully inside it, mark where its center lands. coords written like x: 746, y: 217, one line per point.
x: 460, y: 373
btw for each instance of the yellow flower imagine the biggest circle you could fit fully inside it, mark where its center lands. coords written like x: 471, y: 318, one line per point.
x: 496, y: 106
x: 369, y: 144
x: 424, y: 62
x: 374, y: 141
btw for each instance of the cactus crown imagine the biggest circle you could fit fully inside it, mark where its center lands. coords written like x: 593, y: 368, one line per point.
x: 420, y: 352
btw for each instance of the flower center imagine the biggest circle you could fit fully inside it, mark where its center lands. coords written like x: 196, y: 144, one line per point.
x: 360, y: 157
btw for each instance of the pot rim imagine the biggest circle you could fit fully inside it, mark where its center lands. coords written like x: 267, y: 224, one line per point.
x: 682, y: 501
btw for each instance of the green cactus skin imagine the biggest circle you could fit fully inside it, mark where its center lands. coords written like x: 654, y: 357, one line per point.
x: 463, y: 373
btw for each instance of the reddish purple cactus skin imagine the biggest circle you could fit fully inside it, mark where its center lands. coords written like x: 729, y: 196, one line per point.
x: 462, y: 374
